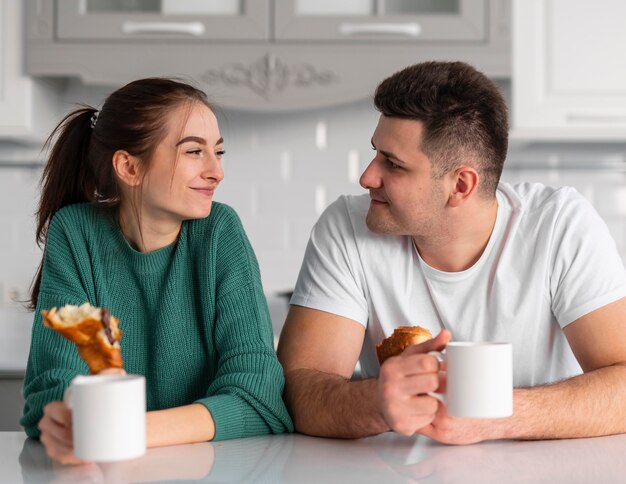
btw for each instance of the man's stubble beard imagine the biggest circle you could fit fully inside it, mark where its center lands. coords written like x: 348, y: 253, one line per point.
x: 383, y: 225
x: 424, y: 225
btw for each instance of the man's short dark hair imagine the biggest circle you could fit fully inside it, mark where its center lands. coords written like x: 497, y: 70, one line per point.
x: 463, y: 113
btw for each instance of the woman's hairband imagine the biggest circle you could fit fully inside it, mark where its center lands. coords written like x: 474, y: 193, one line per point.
x: 94, y: 119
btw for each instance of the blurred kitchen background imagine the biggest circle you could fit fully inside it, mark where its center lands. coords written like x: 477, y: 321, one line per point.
x: 293, y: 80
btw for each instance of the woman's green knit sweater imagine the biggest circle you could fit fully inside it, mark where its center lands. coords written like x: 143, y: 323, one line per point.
x: 194, y: 319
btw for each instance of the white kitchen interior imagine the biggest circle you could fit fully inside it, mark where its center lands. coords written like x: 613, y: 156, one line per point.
x: 289, y: 157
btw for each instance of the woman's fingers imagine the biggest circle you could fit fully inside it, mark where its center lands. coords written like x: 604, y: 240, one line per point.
x: 112, y: 371
x: 57, y: 421
x: 56, y: 433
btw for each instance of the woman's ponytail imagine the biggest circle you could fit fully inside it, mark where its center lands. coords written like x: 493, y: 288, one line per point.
x: 67, y: 177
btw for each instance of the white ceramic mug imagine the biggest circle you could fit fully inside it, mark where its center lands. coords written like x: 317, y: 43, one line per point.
x: 108, y: 416
x: 479, y: 379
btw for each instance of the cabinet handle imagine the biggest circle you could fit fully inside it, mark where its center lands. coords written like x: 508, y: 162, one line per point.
x: 191, y: 28
x: 411, y: 29
x: 596, y: 118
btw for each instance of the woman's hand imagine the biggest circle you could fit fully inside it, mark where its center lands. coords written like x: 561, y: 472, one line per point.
x: 112, y: 371
x: 56, y: 433
x: 56, y: 428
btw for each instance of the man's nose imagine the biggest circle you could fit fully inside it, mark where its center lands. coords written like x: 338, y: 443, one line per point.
x: 371, y: 176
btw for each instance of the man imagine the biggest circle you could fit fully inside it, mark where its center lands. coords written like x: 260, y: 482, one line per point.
x: 441, y: 243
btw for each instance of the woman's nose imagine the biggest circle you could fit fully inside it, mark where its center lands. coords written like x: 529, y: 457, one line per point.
x: 213, y: 170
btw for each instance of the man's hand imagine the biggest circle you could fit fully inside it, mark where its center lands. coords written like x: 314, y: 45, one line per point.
x: 404, y: 382
x: 459, y: 431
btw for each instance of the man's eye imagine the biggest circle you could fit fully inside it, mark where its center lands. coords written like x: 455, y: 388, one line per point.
x: 391, y: 164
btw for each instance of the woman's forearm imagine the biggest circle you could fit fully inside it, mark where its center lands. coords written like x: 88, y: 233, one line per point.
x: 179, y: 425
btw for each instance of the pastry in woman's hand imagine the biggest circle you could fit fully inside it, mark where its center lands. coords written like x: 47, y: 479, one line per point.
x: 402, y: 337
x: 94, y: 331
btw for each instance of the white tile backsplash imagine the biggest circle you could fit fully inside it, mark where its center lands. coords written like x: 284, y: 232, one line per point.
x: 282, y: 169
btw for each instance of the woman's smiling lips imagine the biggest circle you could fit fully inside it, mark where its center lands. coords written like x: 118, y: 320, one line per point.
x: 204, y: 190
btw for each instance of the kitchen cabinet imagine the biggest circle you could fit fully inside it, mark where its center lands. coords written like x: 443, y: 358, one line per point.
x: 382, y: 20
x: 11, y: 402
x: 569, y: 74
x: 263, y: 54
x: 27, y: 106
x: 141, y: 20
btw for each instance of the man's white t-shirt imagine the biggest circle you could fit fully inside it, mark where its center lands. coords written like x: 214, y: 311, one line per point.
x: 550, y: 260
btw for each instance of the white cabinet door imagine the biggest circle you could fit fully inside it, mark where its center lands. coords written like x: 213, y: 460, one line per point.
x: 27, y: 107
x: 382, y: 20
x: 569, y: 69
x: 169, y: 20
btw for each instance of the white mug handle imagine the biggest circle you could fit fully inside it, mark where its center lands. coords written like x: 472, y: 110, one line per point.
x: 439, y: 396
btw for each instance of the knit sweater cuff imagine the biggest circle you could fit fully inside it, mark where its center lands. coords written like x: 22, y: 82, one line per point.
x: 229, y: 415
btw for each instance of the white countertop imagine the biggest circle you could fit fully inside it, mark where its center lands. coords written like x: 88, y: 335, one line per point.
x: 387, y: 458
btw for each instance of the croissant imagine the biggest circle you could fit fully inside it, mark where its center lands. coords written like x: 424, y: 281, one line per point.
x: 94, y: 331
x: 402, y: 337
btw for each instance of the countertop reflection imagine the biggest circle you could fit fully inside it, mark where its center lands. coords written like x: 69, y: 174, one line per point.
x: 386, y: 458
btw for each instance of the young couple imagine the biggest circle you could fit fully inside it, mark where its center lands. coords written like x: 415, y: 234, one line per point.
x: 129, y: 223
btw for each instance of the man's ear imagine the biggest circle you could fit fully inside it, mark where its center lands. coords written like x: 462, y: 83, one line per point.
x: 126, y: 167
x: 464, y: 184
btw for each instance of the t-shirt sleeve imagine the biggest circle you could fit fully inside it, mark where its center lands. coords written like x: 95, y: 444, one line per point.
x: 331, y: 277
x: 587, y: 270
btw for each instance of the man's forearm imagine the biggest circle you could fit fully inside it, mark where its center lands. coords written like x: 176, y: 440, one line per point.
x: 587, y: 405
x: 327, y: 405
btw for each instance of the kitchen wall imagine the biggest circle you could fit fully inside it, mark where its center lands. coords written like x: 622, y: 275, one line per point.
x: 282, y: 170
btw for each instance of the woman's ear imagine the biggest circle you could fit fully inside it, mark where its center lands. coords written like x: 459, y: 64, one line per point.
x: 465, y: 183
x: 126, y: 168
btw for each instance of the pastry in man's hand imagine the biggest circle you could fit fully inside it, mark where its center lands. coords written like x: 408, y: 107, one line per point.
x: 94, y: 331
x: 402, y: 337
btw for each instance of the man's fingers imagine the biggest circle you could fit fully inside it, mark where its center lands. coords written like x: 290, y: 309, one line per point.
x: 443, y: 380
x: 408, y: 415
x: 419, y: 384
x: 438, y: 343
x: 411, y: 364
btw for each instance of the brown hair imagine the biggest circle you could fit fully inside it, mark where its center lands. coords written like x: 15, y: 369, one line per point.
x: 462, y: 111
x: 79, y: 166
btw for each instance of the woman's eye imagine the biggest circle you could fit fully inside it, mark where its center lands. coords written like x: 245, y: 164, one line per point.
x: 194, y: 152
x: 220, y: 153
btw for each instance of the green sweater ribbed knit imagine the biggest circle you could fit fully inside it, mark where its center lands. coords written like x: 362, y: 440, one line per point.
x: 194, y: 319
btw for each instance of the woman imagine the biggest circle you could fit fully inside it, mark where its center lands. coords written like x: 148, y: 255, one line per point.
x: 129, y: 223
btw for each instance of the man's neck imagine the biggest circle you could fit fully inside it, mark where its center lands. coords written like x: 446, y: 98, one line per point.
x: 463, y: 240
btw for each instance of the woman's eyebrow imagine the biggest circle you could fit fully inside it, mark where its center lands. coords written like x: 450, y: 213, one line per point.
x: 196, y: 139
